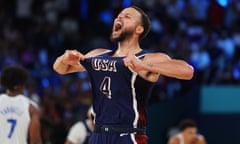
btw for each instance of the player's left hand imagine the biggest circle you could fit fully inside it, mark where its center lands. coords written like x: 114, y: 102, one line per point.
x: 132, y: 62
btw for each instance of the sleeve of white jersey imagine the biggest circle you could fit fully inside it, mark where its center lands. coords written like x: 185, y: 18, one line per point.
x: 77, y: 133
x: 34, y: 104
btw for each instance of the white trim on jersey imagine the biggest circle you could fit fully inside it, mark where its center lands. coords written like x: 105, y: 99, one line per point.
x: 142, y: 55
x: 133, y: 138
x: 133, y: 79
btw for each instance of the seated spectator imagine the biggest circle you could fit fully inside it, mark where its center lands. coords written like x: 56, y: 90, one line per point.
x: 187, y: 134
x: 80, y: 132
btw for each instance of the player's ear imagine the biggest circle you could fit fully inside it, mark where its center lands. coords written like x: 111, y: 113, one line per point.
x: 139, y: 29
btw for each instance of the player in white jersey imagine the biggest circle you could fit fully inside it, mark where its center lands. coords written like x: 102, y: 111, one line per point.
x: 188, y: 134
x: 19, y: 116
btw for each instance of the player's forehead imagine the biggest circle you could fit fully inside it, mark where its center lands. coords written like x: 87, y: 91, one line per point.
x: 130, y: 11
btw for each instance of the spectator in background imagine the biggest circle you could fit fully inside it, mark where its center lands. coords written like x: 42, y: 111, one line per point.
x: 81, y: 131
x: 187, y: 134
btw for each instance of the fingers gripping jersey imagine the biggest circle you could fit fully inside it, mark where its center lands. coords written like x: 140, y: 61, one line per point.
x: 120, y: 95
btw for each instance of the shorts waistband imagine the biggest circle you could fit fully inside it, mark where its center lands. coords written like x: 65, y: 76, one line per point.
x: 113, y: 129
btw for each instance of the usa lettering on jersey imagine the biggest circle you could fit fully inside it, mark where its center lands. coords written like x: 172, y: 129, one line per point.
x: 104, y: 65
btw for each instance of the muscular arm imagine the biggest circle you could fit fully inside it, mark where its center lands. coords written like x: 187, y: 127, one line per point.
x: 158, y: 64
x: 69, y: 62
x: 34, y: 127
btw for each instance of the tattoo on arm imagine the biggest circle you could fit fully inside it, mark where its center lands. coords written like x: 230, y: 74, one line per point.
x: 150, y: 65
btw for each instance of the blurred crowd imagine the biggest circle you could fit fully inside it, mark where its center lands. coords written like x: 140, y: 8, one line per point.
x: 206, y: 33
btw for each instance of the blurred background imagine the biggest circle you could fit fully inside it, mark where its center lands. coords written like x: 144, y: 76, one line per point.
x: 205, y: 33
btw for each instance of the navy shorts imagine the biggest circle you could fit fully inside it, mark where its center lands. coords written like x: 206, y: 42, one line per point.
x: 118, y: 135
x: 117, y: 138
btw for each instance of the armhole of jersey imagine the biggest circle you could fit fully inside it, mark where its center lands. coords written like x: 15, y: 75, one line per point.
x: 141, y: 54
x: 29, y: 109
x: 34, y: 105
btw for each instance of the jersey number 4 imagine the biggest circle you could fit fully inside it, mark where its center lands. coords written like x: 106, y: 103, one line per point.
x: 105, y: 87
x: 13, y: 123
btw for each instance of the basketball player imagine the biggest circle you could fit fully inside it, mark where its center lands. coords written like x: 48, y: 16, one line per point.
x: 19, y: 116
x: 121, y: 80
x: 188, y: 134
x: 80, y: 132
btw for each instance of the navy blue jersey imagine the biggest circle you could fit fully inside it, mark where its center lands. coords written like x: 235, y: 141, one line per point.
x: 119, y: 95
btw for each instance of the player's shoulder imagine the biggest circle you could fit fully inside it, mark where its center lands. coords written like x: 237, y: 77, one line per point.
x: 152, y: 52
x: 97, y: 51
x: 155, y: 57
x: 27, y: 100
x: 34, y: 104
x: 161, y: 54
x: 2, y: 95
x: 3, y: 99
x: 174, y: 139
x: 201, y: 138
x: 23, y: 99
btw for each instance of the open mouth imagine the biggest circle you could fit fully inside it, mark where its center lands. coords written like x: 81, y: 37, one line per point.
x: 118, y: 26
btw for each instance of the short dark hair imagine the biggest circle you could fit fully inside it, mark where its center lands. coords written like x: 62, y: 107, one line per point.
x: 13, y: 76
x: 145, y: 21
x: 186, y: 123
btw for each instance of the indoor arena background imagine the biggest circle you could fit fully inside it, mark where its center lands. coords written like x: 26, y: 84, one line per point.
x: 205, y: 33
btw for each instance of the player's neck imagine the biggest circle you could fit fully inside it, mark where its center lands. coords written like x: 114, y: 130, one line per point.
x: 127, y: 47
x: 13, y: 93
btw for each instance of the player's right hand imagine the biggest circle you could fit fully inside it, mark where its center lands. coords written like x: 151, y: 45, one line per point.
x: 72, y: 57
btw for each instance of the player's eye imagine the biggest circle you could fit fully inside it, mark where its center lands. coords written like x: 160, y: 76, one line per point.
x: 127, y: 16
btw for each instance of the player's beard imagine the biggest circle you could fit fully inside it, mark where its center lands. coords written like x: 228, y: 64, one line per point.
x: 122, y: 36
